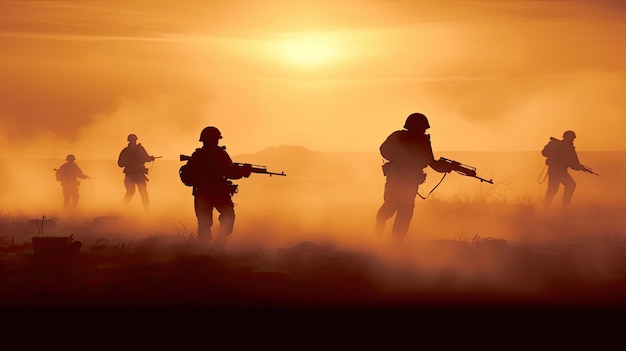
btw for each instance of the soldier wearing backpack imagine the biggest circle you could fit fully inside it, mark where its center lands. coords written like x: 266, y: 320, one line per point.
x: 132, y: 159
x: 408, y: 152
x: 208, y: 171
x: 561, y: 155
x: 68, y: 174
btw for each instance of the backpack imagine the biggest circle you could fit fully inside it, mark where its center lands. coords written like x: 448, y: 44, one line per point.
x: 551, y: 149
x: 61, y: 173
x: 188, y: 173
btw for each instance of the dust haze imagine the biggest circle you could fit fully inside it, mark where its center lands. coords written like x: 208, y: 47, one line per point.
x: 496, y: 81
x: 466, y: 237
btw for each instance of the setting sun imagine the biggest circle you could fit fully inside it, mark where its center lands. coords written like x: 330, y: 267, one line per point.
x: 307, y: 50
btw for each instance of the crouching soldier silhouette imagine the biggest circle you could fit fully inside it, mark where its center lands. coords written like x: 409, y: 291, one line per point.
x: 208, y: 171
x: 408, y: 152
x: 68, y: 174
x: 561, y: 155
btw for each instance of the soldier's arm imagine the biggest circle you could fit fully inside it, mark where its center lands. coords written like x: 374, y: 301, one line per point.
x: 147, y: 157
x: 121, y: 159
x: 575, y: 162
x: 440, y: 166
x: 231, y: 170
x: 81, y: 175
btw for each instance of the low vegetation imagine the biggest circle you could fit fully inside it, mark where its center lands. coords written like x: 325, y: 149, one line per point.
x: 579, y: 265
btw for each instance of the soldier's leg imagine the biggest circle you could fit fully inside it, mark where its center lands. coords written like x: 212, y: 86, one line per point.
x: 403, y: 218
x: 204, y: 214
x: 129, y: 184
x: 389, y: 206
x: 143, y: 192
x: 227, y: 219
x: 553, y: 187
x: 406, y: 204
x: 66, y: 198
x: 386, y: 211
x: 74, y: 198
x: 569, y: 185
x: 226, y: 209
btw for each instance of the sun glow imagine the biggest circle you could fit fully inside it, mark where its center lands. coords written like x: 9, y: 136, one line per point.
x: 308, y: 50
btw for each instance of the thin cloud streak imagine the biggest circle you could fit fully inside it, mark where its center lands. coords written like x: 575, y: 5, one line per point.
x: 84, y: 38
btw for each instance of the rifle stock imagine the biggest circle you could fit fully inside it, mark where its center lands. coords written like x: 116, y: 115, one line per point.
x: 465, y: 170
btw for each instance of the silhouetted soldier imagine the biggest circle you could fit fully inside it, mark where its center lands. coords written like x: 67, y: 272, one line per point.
x: 408, y: 152
x: 132, y: 158
x: 68, y: 174
x: 561, y: 155
x: 212, y: 168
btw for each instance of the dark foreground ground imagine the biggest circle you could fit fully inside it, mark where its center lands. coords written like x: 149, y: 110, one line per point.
x: 313, y: 328
x: 307, y: 296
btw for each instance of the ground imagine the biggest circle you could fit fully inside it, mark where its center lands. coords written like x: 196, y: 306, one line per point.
x: 494, y: 291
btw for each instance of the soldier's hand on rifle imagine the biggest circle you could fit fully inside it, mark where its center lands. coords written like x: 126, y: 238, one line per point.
x: 448, y: 167
x: 442, y: 165
x: 240, y: 171
x: 589, y: 170
x: 246, y: 170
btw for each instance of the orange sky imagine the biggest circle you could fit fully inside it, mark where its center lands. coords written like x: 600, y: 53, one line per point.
x: 78, y: 76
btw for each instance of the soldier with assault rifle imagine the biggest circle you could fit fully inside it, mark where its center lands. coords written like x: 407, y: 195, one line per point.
x: 408, y: 152
x: 209, y: 171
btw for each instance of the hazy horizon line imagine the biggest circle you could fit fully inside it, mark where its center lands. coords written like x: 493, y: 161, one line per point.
x: 305, y: 149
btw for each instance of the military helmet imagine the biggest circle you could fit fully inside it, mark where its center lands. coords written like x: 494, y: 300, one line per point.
x: 416, y: 121
x: 70, y: 158
x: 131, y: 137
x: 210, y: 133
x: 569, y: 134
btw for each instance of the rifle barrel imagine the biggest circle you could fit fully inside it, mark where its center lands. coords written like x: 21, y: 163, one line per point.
x: 490, y: 181
x: 278, y: 174
x: 265, y: 171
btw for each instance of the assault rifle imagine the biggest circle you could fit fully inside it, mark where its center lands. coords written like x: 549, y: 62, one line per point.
x: 464, y: 169
x: 259, y: 169
x: 589, y: 170
x: 253, y: 168
x: 86, y: 176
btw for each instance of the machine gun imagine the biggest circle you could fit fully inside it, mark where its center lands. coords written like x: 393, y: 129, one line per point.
x: 258, y: 169
x: 464, y: 169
